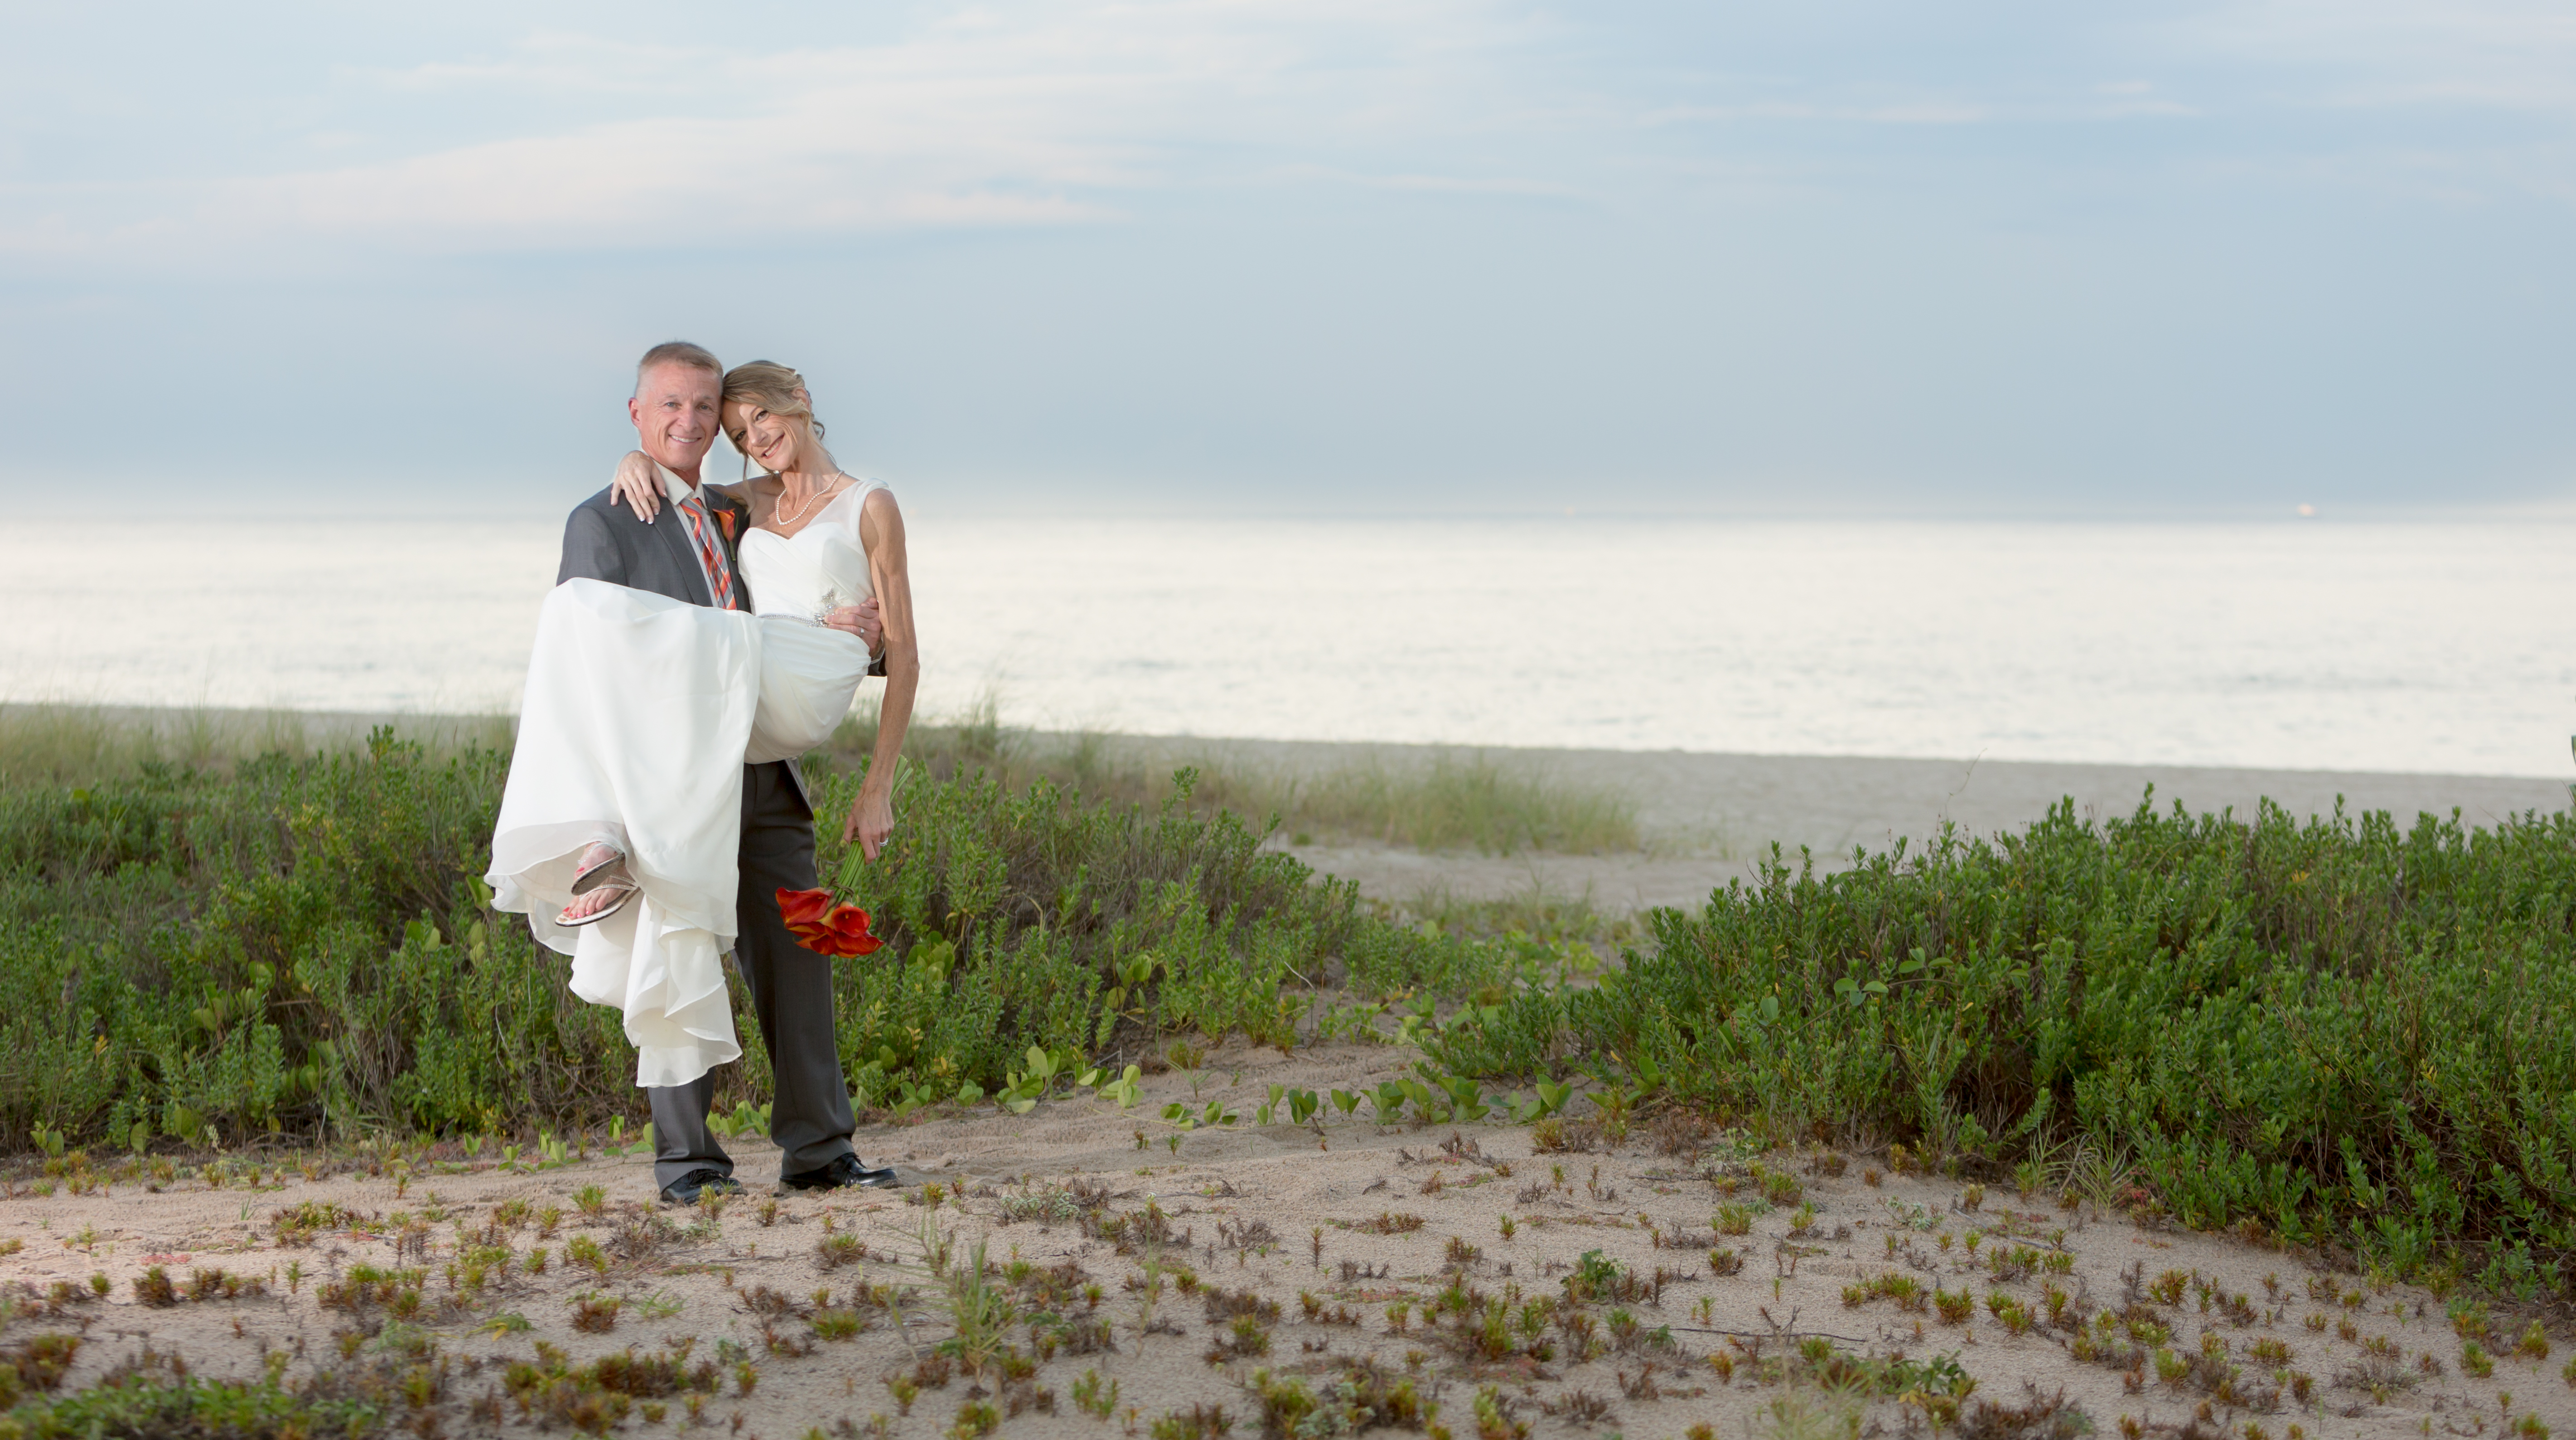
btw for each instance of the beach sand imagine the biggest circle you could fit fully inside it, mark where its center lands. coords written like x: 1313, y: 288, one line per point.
x: 1245, y: 1206
x: 1707, y: 819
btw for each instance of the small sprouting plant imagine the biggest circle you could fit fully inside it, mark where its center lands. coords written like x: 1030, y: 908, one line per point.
x: 1093, y: 1398
x: 837, y: 1324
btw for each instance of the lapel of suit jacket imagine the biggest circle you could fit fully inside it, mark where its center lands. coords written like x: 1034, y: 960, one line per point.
x: 684, y: 552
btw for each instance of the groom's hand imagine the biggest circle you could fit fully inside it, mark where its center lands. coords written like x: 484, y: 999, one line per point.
x: 862, y: 620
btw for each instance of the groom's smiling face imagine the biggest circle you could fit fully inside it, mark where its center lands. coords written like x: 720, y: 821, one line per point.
x: 675, y: 414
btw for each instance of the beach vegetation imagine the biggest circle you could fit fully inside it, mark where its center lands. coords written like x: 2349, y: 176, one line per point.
x: 1431, y: 799
x: 2339, y: 1033
x: 299, y: 945
x: 2336, y: 1032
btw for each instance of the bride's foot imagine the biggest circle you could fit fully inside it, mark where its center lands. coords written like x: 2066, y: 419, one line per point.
x: 597, y: 905
x: 599, y: 863
x: 601, y: 887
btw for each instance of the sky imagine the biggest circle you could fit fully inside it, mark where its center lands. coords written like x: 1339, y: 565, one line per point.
x: 1419, y: 256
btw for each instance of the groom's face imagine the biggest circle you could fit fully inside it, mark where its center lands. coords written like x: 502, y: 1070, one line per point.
x: 674, y: 411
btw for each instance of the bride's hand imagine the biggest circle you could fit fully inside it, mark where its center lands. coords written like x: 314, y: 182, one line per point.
x: 861, y: 620
x: 871, y: 821
x: 637, y: 485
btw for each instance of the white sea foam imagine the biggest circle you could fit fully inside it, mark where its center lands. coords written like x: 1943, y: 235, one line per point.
x: 2423, y: 646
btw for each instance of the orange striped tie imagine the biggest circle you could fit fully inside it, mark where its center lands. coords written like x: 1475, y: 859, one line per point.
x: 710, y: 554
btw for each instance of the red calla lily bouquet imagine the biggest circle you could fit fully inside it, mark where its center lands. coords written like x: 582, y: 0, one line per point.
x: 824, y: 925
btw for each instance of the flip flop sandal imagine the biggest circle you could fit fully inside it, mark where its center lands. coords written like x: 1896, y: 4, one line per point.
x: 591, y: 877
x: 624, y: 890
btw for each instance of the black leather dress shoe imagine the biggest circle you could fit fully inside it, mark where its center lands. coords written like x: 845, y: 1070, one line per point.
x: 844, y: 1172
x: 687, y: 1189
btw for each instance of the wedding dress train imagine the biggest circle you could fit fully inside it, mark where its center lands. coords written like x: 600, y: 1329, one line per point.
x: 639, y: 715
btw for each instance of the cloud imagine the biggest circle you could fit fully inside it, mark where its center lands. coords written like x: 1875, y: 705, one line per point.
x: 1918, y: 113
x: 969, y: 122
x: 2511, y: 55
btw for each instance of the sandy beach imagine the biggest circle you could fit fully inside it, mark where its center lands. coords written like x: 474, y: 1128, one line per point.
x: 1175, y: 1268
x: 1707, y: 819
x: 1336, y: 1239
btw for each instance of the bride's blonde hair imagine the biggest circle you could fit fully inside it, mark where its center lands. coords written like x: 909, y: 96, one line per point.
x: 772, y: 387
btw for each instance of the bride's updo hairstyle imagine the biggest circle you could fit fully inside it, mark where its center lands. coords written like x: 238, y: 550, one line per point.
x: 772, y: 387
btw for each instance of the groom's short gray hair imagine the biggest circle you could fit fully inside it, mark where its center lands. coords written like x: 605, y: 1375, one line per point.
x: 677, y: 352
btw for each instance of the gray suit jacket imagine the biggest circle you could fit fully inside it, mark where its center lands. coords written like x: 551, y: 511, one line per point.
x: 612, y: 543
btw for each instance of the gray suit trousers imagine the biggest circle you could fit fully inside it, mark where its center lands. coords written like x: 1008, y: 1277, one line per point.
x: 791, y: 997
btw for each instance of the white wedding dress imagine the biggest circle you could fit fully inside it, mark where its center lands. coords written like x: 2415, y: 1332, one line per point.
x: 640, y: 713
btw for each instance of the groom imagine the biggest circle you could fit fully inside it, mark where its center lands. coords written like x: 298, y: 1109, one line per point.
x: 678, y: 387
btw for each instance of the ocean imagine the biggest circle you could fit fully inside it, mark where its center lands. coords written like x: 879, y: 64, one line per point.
x: 2419, y: 646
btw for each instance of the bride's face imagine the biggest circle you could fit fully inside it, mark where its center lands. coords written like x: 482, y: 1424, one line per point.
x: 773, y: 442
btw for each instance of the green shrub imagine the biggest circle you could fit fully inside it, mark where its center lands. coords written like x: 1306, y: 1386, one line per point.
x: 2339, y: 1031
x: 1028, y: 918
x: 301, y: 945
x: 294, y: 944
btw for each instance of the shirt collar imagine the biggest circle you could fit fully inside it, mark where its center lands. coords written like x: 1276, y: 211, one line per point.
x: 679, y: 491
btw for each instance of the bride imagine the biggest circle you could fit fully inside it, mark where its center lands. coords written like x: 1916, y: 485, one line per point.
x: 621, y: 822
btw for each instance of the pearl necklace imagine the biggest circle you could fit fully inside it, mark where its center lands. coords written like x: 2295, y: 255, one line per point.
x: 828, y: 485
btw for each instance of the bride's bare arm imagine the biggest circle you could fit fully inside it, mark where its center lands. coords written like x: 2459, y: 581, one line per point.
x: 637, y: 485
x: 881, y: 531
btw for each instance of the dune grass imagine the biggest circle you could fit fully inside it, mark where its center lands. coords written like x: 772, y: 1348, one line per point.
x: 76, y: 744
x: 1463, y: 801
x: 1447, y: 801
x: 1534, y: 911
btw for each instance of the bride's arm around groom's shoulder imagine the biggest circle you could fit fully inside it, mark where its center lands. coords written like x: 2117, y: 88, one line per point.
x: 637, y: 485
